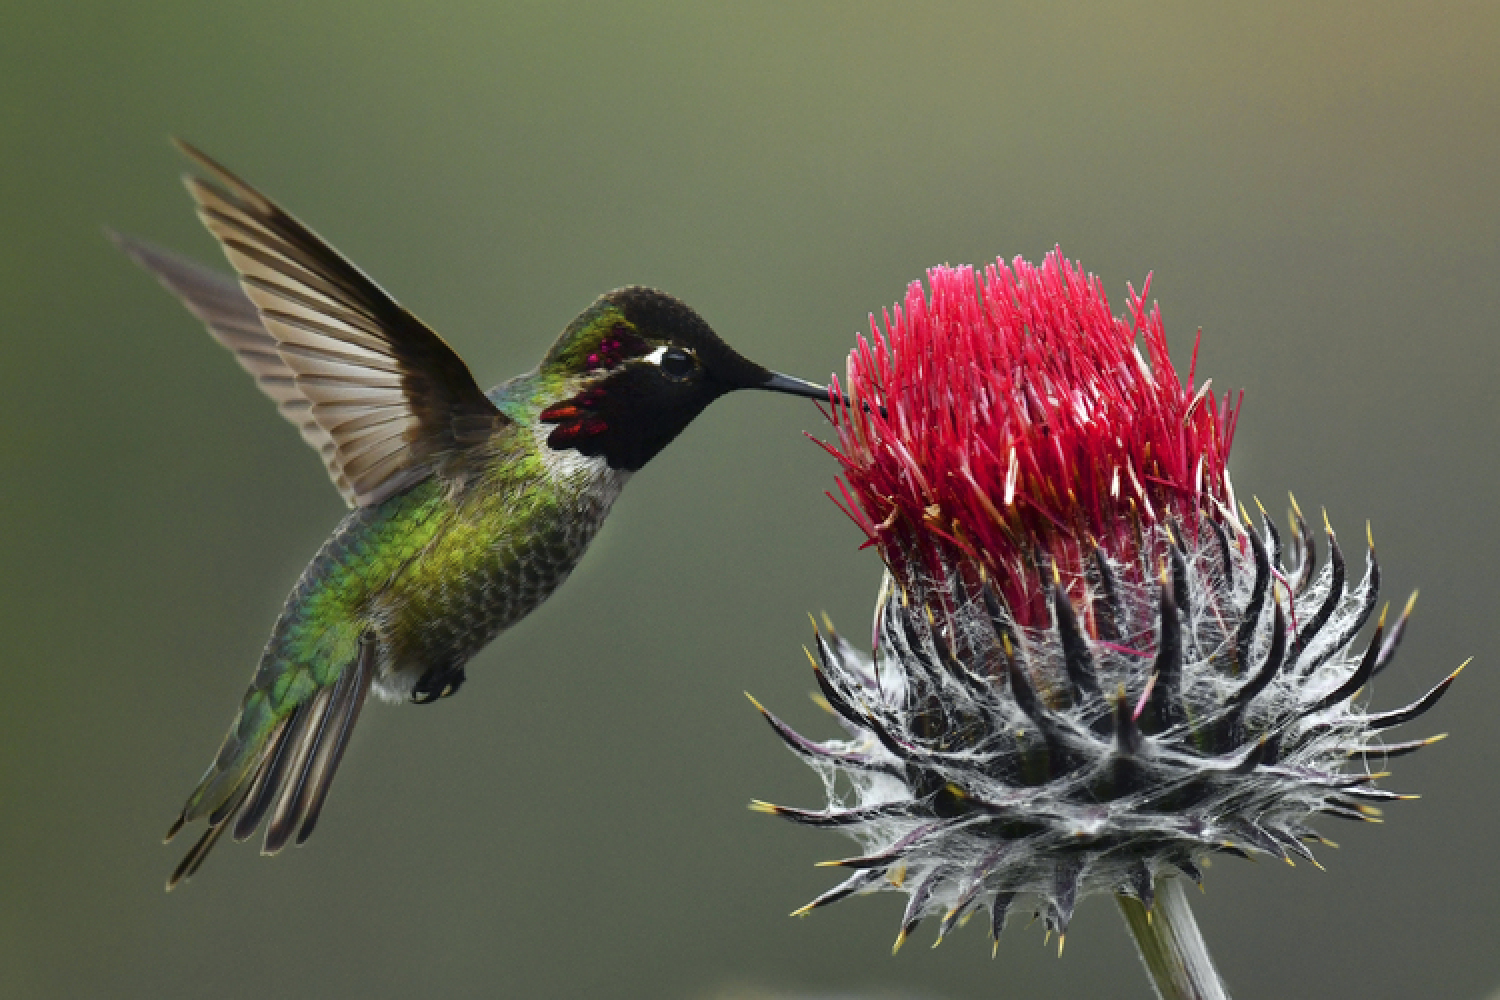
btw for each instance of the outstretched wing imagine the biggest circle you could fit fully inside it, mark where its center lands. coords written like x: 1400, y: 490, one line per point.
x: 232, y: 318
x: 384, y: 389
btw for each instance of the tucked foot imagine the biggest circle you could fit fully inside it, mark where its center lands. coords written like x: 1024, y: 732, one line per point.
x: 437, y: 683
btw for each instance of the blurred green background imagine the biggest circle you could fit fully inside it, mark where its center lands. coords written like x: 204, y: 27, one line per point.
x: 1315, y: 185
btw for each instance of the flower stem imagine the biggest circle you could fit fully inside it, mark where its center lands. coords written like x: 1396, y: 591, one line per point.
x: 1171, y: 948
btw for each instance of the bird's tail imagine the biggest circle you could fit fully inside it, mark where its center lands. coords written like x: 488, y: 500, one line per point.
x: 279, y: 763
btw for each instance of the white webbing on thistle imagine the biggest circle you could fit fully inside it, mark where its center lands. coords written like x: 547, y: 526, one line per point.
x: 964, y: 795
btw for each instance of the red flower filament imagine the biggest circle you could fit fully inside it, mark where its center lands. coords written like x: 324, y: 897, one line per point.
x: 999, y: 422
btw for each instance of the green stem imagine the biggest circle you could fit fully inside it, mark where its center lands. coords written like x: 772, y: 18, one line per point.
x: 1171, y: 948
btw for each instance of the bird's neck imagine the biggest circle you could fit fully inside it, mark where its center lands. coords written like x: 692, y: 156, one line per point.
x: 599, y: 416
x: 525, y: 396
x: 525, y: 399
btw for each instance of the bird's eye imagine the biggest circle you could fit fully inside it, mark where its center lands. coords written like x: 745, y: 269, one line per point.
x: 677, y: 362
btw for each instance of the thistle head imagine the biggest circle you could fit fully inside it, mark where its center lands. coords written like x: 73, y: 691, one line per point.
x: 1088, y: 672
x: 1023, y: 423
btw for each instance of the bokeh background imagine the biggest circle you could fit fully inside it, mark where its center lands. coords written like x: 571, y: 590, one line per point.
x: 1317, y: 186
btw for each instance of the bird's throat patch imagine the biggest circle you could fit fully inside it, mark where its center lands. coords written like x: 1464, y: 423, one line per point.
x: 578, y: 420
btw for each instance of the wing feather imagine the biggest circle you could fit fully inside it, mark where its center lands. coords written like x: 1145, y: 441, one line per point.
x: 352, y: 347
x: 375, y: 391
x: 233, y: 320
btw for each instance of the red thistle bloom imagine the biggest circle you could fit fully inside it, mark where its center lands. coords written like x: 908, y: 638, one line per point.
x: 1087, y: 673
x: 991, y: 428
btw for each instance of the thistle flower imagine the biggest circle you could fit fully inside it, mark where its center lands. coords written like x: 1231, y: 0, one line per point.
x: 1087, y: 672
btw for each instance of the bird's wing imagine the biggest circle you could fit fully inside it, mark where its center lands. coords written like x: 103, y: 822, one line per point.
x: 232, y: 318
x: 389, y: 394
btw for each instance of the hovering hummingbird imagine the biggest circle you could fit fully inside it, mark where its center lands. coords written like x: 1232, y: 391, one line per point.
x: 469, y: 508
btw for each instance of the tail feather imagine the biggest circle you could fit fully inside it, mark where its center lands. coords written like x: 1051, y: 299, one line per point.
x: 287, y: 773
x: 199, y: 851
x: 348, y: 700
x: 246, y: 792
x: 301, y: 745
x: 194, y: 858
x: 238, y: 758
x: 268, y: 781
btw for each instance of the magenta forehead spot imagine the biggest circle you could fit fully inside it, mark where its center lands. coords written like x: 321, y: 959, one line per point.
x: 615, y: 345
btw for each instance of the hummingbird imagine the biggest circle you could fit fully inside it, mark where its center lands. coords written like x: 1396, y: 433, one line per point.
x: 467, y: 508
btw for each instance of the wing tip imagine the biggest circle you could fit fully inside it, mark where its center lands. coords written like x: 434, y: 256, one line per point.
x: 239, y: 187
x: 138, y: 250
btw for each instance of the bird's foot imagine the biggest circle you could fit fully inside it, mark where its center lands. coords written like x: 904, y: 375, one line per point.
x: 437, y: 683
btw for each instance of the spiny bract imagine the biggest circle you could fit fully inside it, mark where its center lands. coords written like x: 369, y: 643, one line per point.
x: 1087, y: 673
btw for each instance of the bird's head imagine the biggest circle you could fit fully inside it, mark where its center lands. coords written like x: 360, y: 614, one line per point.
x: 637, y: 366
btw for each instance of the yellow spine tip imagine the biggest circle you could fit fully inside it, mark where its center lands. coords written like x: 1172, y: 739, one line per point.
x: 756, y: 805
x: 900, y: 940
x: 758, y: 707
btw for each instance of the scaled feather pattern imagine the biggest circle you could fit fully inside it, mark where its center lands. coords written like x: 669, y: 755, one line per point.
x: 1088, y: 673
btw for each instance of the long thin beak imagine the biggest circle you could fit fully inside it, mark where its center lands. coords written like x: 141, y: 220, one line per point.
x: 794, y: 387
